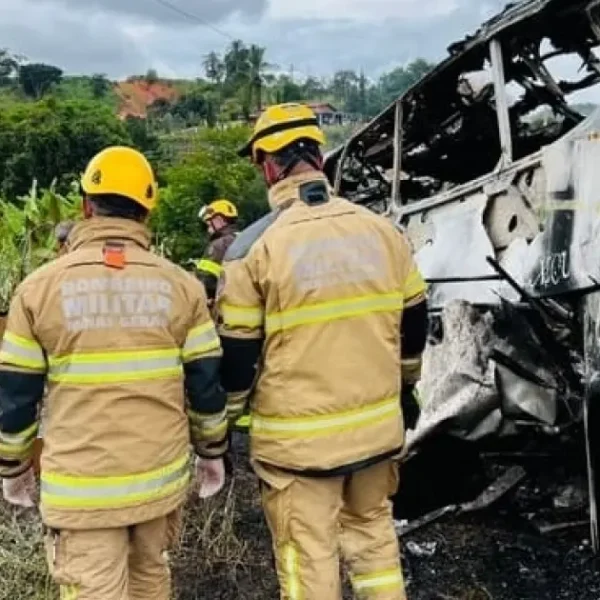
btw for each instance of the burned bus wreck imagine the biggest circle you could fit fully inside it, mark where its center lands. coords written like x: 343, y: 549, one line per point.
x: 492, y: 169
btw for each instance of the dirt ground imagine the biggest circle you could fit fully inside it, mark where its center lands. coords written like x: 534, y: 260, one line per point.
x: 225, y: 552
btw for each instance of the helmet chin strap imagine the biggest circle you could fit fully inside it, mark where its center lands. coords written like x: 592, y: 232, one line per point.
x: 299, y: 157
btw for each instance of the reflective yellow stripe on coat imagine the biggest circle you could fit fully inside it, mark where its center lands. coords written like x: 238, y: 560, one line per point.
x: 209, y: 266
x: 17, y: 446
x: 324, y: 425
x: 414, y: 285
x: 115, y: 367
x: 201, y: 340
x: 65, y: 491
x: 22, y: 352
x: 241, y: 316
x: 330, y: 311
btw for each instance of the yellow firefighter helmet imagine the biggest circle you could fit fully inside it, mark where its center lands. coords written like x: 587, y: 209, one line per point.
x: 281, y: 125
x: 121, y: 171
x: 222, y: 207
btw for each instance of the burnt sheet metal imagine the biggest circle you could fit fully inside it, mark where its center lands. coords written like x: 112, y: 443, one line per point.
x: 477, y: 381
x: 457, y: 383
x: 525, y: 399
x: 564, y: 258
x: 457, y: 250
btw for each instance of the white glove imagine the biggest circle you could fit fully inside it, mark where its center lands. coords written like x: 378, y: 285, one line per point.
x: 210, y: 473
x: 20, y: 491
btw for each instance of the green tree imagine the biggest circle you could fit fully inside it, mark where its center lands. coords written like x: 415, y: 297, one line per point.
x: 151, y: 76
x: 192, y: 108
x: 143, y: 138
x: 100, y: 85
x: 287, y: 90
x: 36, y: 79
x: 211, y: 170
x: 313, y: 89
x: 53, y: 138
x: 257, y: 65
x: 343, y: 85
x: 214, y: 68
x: 399, y: 80
x: 9, y: 66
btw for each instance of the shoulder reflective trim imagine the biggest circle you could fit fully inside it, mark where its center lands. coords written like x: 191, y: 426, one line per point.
x: 115, y: 367
x: 209, y: 266
x: 380, y: 580
x: 414, y: 285
x: 246, y: 238
x: 200, y: 340
x: 22, y: 352
x: 241, y: 316
x: 323, y: 425
x: 292, y: 571
x: 330, y: 311
x: 97, y: 493
x: 17, y: 446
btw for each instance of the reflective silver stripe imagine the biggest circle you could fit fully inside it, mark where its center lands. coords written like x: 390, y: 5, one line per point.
x: 385, y: 579
x: 114, y: 492
x: 22, y: 352
x: 18, y: 445
x: 18, y: 439
x: 337, y: 309
x: 206, y: 420
x: 115, y: 367
x: 110, y: 367
x: 326, y: 424
x: 201, y: 339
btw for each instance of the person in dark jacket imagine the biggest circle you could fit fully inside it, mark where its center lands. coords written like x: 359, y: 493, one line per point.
x: 220, y: 218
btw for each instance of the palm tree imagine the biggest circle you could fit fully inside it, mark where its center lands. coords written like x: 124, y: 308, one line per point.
x: 214, y: 68
x: 257, y: 67
x: 236, y: 64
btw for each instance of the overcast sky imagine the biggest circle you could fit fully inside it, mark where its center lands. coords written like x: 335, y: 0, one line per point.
x: 317, y: 37
x: 121, y: 37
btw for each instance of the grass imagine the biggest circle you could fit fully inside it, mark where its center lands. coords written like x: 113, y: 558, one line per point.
x: 224, y: 550
x: 23, y: 569
x: 225, y: 553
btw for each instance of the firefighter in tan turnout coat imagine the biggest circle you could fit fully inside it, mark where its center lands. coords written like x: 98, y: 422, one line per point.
x: 118, y: 334
x: 320, y: 304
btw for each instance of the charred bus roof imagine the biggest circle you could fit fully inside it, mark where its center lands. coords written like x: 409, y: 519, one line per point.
x: 452, y: 131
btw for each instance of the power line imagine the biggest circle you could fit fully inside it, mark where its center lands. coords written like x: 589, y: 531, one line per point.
x: 205, y: 23
x: 195, y: 18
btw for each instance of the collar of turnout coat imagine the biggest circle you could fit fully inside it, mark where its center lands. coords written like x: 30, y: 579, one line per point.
x: 98, y: 229
x: 286, y: 191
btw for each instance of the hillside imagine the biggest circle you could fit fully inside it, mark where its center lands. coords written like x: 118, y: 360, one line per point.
x: 137, y: 95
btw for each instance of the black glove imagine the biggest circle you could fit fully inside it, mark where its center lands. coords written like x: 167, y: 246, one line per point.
x: 410, y: 407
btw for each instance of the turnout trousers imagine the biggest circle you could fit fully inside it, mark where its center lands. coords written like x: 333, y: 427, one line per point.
x: 128, y: 563
x: 316, y: 521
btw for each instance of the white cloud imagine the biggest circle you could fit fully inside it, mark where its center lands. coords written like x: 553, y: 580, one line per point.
x: 317, y: 37
x: 360, y: 10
